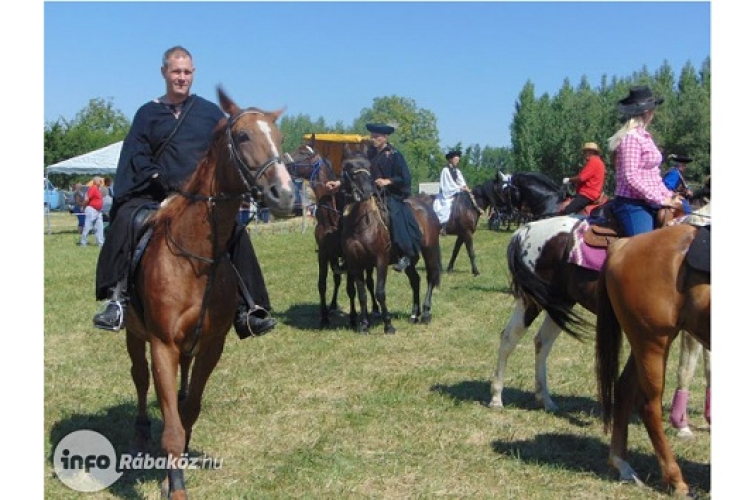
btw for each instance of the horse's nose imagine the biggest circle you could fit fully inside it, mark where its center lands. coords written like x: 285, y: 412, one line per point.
x: 279, y: 198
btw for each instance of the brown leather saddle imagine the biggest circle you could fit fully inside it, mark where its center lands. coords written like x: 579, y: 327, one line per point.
x: 607, y: 228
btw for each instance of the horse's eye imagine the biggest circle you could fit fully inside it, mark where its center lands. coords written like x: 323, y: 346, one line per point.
x: 242, y: 136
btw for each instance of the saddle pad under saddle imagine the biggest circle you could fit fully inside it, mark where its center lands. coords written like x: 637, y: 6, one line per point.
x: 581, y: 253
x: 699, y: 253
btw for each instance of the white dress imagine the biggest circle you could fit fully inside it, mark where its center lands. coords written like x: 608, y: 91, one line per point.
x: 448, y: 189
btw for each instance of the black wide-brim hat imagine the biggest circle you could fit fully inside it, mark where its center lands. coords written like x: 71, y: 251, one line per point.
x: 380, y: 128
x: 639, y: 100
x: 452, y: 154
x: 680, y: 159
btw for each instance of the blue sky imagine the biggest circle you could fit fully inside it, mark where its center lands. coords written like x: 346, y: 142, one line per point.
x: 464, y: 61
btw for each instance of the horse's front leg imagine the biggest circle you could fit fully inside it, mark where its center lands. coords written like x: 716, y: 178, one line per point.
x: 364, y: 320
x: 351, y: 291
x: 204, y: 365
x: 370, y: 282
x: 472, y: 256
x: 185, y: 362
x: 322, y: 284
x: 382, y: 276
x: 690, y: 350
x: 454, y: 255
x: 165, y: 359
x: 139, y: 372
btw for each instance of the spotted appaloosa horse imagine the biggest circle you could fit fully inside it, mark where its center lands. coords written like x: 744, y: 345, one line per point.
x: 651, y: 296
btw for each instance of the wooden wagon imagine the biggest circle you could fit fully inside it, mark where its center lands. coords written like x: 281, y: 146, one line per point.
x: 331, y: 146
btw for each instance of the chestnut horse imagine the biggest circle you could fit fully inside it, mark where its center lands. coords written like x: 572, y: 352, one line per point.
x: 185, y: 287
x: 652, y: 296
x: 367, y: 245
x: 308, y: 164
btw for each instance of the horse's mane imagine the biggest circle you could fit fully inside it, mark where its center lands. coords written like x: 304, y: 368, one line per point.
x: 538, y: 177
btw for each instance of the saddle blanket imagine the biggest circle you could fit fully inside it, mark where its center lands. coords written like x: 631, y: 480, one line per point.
x: 582, y: 254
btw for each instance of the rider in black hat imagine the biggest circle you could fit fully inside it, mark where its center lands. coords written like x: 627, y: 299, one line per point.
x: 391, y: 174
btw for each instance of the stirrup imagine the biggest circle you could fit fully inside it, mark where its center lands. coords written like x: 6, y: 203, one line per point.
x: 104, y: 319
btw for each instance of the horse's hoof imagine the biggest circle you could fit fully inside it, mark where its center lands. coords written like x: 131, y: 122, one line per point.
x: 325, y: 323
x: 413, y: 319
x: 390, y: 330
x: 495, y: 404
x: 475, y: 273
x: 426, y: 319
x: 449, y: 270
x: 685, y: 433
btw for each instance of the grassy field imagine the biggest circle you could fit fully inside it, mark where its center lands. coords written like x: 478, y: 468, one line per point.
x: 309, y: 413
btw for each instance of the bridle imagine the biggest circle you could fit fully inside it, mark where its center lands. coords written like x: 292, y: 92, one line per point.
x: 246, y: 172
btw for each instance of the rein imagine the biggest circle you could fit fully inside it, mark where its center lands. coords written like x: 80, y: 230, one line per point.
x: 245, y: 171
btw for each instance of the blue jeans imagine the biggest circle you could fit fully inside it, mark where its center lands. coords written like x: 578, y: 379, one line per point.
x: 635, y: 216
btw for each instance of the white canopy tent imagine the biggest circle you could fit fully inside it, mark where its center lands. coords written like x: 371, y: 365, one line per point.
x: 99, y: 162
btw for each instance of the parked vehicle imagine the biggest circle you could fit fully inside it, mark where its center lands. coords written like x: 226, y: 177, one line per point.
x: 53, y: 199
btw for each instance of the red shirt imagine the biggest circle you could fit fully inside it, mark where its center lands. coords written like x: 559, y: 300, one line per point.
x: 95, y: 198
x: 591, y: 178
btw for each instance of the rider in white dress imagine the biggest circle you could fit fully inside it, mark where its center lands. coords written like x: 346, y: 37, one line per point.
x: 451, y: 183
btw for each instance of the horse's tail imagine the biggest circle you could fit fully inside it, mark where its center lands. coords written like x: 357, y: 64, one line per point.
x: 608, y: 345
x: 527, y: 284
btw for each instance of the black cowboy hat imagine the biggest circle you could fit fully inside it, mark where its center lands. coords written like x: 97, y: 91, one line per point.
x: 639, y: 100
x: 680, y: 159
x: 380, y: 128
x: 452, y: 154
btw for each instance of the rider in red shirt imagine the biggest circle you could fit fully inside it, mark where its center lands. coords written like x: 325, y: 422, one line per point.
x: 589, y: 182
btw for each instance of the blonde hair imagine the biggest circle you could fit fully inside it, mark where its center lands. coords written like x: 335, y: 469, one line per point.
x: 630, y: 124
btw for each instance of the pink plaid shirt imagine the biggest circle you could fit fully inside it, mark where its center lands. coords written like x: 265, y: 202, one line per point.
x: 638, y: 161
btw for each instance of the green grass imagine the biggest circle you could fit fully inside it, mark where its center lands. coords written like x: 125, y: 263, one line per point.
x: 309, y: 413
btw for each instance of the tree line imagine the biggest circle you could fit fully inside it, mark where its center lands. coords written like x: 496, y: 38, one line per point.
x: 547, y: 131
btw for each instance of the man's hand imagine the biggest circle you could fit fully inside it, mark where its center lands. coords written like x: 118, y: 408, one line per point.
x: 566, y: 180
x: 332, y: 185
x: 383, y: 182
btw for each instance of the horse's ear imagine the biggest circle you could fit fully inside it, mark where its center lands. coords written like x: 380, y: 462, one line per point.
x: 276, y: 114
x: 226, y: 103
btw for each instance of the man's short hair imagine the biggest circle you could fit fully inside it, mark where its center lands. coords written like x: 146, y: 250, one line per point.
x: 177, y: 49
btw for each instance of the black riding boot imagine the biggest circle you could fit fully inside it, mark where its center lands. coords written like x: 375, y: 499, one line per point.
x: 112, y: 318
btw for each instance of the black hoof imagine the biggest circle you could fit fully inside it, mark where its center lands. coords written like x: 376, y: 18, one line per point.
x: 390, y: 330
x: 426, y: 319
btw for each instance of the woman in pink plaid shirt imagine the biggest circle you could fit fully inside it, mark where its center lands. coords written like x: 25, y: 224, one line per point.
x: 640, y: 191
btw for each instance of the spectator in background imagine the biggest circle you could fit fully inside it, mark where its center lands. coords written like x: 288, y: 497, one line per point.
x: 93, y: 212
x: 79, y: 205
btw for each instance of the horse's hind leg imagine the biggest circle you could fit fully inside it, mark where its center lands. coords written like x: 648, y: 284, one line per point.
x: 472, y: 256
x: 416, y: 310
x: 203, y: 366
x: 456, y: 248
x: 139, y: 371
x: 625, y: 393
x: 690, y: 349
x: 382, y: 270
x: 650, y: 362
x: 519, y: 322
x: 548, y: 333
x: 707, y: 371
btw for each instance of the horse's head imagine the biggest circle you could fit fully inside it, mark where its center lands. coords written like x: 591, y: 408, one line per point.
x: 254, y: 143
x: 308, y: 164
x: 357, y: 180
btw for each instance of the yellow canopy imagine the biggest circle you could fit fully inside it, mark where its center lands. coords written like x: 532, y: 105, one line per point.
x: 340, y: 138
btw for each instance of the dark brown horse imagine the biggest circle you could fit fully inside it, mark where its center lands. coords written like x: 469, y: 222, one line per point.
x: 308, y: 164
x: 652, y: 296
x: 367, y: 245
x: 462, y: 223
x: 185, y: 286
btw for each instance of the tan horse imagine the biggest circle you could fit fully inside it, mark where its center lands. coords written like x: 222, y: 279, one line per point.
x: 185, y: 286
x: 652, y: 296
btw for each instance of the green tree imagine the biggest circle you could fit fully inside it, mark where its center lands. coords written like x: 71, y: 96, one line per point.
x: 416, y: 134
